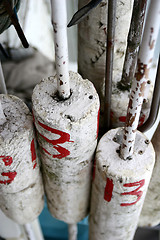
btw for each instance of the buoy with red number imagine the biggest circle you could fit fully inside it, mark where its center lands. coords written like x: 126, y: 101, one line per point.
x: 21, y: 188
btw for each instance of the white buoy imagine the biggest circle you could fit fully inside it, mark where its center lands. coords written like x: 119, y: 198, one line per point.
x: 150, y: 215
x: 92, y: 32
x: 21, y: 188
x: 119, y: 187
x: 67, y: 135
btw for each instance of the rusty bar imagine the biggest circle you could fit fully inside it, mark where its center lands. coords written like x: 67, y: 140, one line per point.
x: 155, y: 104
x: 109, y: 61
x: 139, y: 84
x: 134, y: 40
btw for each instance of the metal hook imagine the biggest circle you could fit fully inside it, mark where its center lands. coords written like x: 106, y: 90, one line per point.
x: 15, y: 22
x: 155, y: 104
x: 83, y: 12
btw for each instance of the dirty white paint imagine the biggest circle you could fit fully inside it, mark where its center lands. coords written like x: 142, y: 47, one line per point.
x: 59, y: 22
x: 119, y: 187
x: 150, y: 215
x: 67, y: 135
x: 21, y: 188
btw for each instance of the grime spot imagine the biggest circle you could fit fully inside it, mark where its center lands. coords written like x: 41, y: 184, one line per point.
x: 147, y: 141
x: 130, y: 119
x: 61, y: 83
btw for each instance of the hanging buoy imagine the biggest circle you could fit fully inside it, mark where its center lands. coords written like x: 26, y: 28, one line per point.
x: 92, y: 32
x: 21, y: 188
x: 66, y: 113
x: 119, y: 187
x: 67, y: 135
x: 125, y: 159
x: 150, y: 215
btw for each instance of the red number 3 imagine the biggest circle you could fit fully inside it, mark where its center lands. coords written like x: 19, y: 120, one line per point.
x: 11, y: 175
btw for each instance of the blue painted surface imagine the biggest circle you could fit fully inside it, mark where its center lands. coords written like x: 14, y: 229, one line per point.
x: 54, y: 229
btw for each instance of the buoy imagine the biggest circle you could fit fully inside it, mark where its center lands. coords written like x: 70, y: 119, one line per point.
x: 150, y: 215
x: 21, y: 188
x: 92, y: 32
x: 67, y: 134
x: 119, y: 187
x: 66, y: 113
x: 124, y: 159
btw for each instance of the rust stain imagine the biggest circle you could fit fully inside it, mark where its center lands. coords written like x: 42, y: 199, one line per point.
x: 130, y: 104
x: 130, y: 119
x: 124, y: 145
x: 151, y: 43
x: 125, y: 131
x: 142, y: 89
x: 125, y: 137
x: 142, y: 71
x: 61, y: 83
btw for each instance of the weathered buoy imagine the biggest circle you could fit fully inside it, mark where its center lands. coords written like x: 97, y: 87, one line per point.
x: 67, y: 135
x: 21, y: 188
x: 119, y: 187
x: 92, y: 32
x: 150, y: 215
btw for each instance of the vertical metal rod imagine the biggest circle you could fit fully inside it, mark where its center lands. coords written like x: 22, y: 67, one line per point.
x: 155, y: 104
x: 3, y: 88
x: 59, y: 22
x: 112, y: 4
x: 139, y: 84
x: 73, y: 230
x: 134, y: 40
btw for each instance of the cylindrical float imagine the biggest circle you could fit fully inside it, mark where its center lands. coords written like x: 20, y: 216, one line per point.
x: 92, y: 58
x: 92, y: 33
x: 21, y: 188
x: 67, y: 134
x: 119, y: 187
x: 150, y: 215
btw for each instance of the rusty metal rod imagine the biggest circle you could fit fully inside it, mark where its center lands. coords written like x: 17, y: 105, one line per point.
x: 134, y: 40
x: 155, y: 104
x: 109, y: 61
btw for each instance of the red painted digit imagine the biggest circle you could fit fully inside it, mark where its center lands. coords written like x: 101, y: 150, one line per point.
x: 134, y: 192
x: 98, y: 122
x: 122, y: 119
x: 10, y: 175
x: 33, y: 153
x: 64, y: 137
x: 63, y: 152
x: 7, y: 160
x: 108, y: 190
x: 94, y: 170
